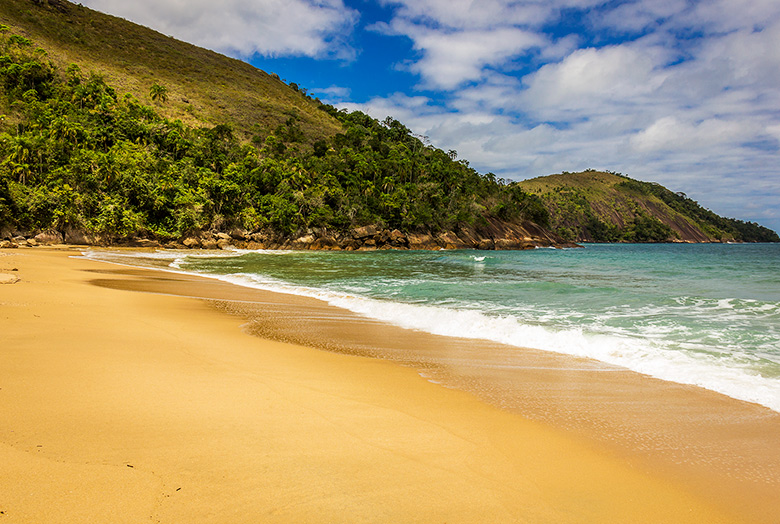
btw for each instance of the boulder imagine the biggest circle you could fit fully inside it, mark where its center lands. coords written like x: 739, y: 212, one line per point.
x: 239, y: 234
x: 49, y: 237
x: 397, y: 238
x: 421, y: 241
x: 449, y: 240
x: 305, y: 240
x: 191, y: 242
x: 364, y: 232
x: 486, y: 244
x: 5, y: 278
x: 77, y: 236
x: 7, y: 244
x: 209, y: 244
x: 143, y: 242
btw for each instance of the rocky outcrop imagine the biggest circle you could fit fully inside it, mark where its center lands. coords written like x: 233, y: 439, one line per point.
x: 491, y: 234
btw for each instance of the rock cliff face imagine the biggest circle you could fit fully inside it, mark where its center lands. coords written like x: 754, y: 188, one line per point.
x: 494, y: 234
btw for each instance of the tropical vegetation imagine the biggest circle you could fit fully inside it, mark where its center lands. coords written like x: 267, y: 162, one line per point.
x: 78, y: 154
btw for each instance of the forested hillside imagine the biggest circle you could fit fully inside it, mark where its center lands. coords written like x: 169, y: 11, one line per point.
x: 79, y: 155
x: 596, y: 206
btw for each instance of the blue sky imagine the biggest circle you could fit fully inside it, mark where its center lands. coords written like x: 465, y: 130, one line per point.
x: 681, y: 92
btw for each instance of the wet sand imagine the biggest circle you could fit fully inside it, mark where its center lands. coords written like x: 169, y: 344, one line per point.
x: 118, y: 405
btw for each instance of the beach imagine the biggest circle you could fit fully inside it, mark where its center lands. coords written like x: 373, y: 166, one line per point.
x: 129, y: 395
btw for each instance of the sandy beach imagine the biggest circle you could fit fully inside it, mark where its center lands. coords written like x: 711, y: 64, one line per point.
x: 125, y: 406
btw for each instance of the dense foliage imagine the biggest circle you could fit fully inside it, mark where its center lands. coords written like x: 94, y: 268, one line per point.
x: 76, y: 154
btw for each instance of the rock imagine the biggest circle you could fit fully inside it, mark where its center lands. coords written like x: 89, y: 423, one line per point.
x: 306, y: 240
x: 49, y: 237
x: 143, y: 242
x: 326, y: 242
x: 449, y: 240
x: 364, y: 232
x: 5, y: 278
x: 208, y: 244
x: 396, y: 237
x: 224, y: 243
x: 191, y: 242
x: 486, y: 244
x: 420, y: 241
x: 239, y: 234
x: 223, y: 236
x: 505, y: 243
x: 77, y: 236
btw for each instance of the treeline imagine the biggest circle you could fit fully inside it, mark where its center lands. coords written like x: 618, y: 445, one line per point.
x: 76, y: 154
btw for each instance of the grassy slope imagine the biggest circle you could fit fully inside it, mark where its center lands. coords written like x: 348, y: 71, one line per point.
x: 611, y: 203
x: 205, y: 88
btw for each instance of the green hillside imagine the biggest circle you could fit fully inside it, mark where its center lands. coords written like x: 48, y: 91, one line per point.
x: 595, y: 206
x: 86, y: 160
x: 203, y: 87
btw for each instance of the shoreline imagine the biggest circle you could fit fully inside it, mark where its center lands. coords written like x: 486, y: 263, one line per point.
x: 160, y: 392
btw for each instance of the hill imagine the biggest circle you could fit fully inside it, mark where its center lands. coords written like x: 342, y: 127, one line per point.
x: 595, y: 206
x: 203, y: 87
x: 83, y: 160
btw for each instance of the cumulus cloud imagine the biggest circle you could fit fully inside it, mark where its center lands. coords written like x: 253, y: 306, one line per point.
x: 450, y: 59
x: 313, y: 28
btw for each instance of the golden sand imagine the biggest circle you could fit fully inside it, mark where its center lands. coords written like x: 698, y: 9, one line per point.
x: 120, y: 406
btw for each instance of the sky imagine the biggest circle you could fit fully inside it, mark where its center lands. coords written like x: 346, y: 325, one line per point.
x: 685, y: 93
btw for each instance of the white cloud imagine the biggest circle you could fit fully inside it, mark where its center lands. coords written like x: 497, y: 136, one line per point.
x: 671, y: 134
x: 332, y: 92
x: 453, y: 58
x: 472, y: 14
x: 639, y: 15
x: 594, y: 81
x: 267, y: 27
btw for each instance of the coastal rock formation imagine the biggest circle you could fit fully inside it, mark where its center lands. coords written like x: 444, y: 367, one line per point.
x: 491, y: 234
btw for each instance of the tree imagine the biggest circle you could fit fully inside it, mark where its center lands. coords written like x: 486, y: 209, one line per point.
x: 158, y: 92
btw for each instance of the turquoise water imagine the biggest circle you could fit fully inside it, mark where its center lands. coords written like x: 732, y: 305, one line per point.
x: 703, y: 314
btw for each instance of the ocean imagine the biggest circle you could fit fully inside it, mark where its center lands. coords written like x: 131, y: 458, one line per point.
x: 700, y: 314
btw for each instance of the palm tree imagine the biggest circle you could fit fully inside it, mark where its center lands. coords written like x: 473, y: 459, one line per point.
x: 158, y: 92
